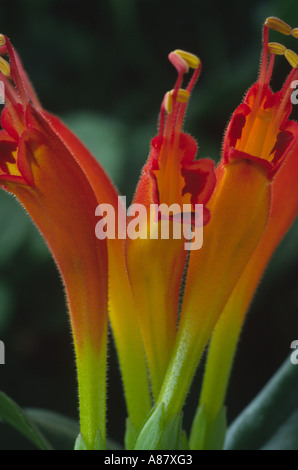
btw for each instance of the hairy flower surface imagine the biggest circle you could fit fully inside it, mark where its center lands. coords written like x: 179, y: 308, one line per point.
x: 172, y: 182
x: 258, y: 141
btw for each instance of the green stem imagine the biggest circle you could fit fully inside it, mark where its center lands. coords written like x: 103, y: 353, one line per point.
x: 218, y: 368
x: 91, y: 373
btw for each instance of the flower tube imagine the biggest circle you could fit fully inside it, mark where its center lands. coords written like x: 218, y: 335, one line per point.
x: 122, y: 309
x: 284, y: 208
x: 258, y: 141
x: 171, y: 181
x: 38, y: 168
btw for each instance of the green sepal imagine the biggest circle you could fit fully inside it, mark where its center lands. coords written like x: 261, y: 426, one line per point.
x: 12, y: 414
x: 184, y: 444
x: 171, y: 436
x: 215, y: 435
x: 80, y: 443
x: 99, y: 443
x: 198, y: 429
x: 131, y: 434
x: 151, y: 432
x: 158, y: 434
x: 207, y: 436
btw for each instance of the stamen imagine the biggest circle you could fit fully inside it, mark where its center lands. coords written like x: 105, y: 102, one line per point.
x: 192, y: 60
x: 2, y: 40
x: 278, y: 25
x: 295, y: 32
x: 292, y: 58
x: 179, y: 62
x: 4, y: 67
x: 168, y: 102
x: 276, y: 48
x: 182, y: 95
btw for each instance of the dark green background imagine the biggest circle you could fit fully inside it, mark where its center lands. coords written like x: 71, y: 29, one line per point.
x: 102, y: 66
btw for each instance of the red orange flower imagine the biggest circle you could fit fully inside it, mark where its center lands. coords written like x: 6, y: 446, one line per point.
x: 39, y: 169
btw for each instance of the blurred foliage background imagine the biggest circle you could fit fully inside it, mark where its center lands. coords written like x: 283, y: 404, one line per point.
x: 101, y: 65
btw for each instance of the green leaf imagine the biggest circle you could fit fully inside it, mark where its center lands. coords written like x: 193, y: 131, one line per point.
x: 12, y: 414
x: 268, y: 412
x: 286, y: 437
x: 60, y: 430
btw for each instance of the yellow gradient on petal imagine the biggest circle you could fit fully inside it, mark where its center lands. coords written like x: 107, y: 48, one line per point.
x: 240, y: 209
x: 156, y: 294
x: 126, y: 331
x: 284, y: 207
x: 13, y: 167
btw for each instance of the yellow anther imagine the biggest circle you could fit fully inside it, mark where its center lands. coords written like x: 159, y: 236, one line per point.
x: 182, y: 96
x: 4, y: 67
x: 278, y: 25
x: 168, y: 102
x: 276, y: 48
x: 192, y: 60
x: 295, y: 32
x: 2, y: 40
x: 292, y: 58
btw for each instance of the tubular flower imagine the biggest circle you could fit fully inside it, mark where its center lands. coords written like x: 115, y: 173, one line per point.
x: 283, y: 211
x: 122, y: 310
x: 40, y: 170
x: 172, y: 182
x: 258, y: 140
